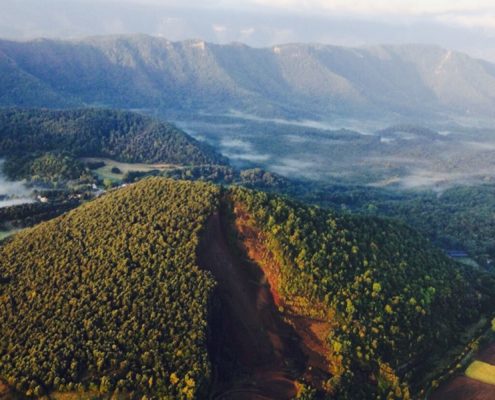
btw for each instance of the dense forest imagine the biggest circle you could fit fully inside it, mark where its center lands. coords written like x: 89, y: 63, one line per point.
x: 394, y: 300
x: 458, y: 218
x: 33, y: 140
x: 25, y: 215
x: 253, y: 178
x: 108, y: 297
x: 123, y: 270
x: 46, y: 168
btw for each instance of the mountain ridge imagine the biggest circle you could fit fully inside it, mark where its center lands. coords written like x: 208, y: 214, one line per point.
x: 191, y: 75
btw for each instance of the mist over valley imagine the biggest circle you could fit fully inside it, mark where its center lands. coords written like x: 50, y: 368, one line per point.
x: 13, y: 192
x: 268, y: 203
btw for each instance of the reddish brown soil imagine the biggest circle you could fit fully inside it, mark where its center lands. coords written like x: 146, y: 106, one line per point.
x: 6, y: 393
x: 3, y: 390
x: 487, y: 354
x: 464, y: 388
x: 256, y: 353
x: 312, y: 332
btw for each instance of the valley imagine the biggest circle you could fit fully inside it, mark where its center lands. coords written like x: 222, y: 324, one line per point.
x: 189, y: 220
x: 374, y: 116
x: 405, y: 155
x: 13, y: 193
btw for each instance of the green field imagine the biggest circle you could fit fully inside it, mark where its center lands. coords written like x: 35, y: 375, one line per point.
x: 482, y: 372
x: 105, y: 172
x: 4, y: 234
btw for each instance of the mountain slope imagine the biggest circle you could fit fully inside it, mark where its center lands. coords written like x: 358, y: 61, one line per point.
x: 110, y: 297
x: 393, y: 302
x: 147, y: 72
x: 124, y: 136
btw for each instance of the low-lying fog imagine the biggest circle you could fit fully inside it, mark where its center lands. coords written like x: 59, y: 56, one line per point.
x: 365, y: 127
x: 379, y: 153
x: 13, y: 193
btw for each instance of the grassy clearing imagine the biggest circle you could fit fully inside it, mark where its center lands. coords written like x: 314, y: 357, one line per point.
x: 4, y: 234
x: 482, y: 372
x: 105, y: 172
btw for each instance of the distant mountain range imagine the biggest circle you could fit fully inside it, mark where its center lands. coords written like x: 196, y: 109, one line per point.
x: 303, y: 80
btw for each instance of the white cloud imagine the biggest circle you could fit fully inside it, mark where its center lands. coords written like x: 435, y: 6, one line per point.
x: 452, y: 13
x: 462, y: 13
x: 172, y: 28
x: 366, y: 7
x: 219, y: 28
x: 247, y: 31
x: 485, y: 21
x: 409, y: 7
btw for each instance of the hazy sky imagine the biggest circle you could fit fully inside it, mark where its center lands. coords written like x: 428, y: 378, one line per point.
x: 463, y: 25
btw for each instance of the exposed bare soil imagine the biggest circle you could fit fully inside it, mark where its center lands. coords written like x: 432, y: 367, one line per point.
x: 258, y: 352
x: 487, y: 354
x: 4, y: 391
x: 464, y: 388
x: 7, y: 393
x: 311, y: 331
x: 254, y: 352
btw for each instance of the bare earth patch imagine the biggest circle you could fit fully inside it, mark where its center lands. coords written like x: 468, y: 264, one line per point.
x: 260, y: 347
x: 471, y: 387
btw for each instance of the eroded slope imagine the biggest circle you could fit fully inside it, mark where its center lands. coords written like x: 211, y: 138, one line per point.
x: 392, y: 302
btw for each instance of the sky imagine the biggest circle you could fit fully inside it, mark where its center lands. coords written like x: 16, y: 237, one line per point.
x: 463, y: 25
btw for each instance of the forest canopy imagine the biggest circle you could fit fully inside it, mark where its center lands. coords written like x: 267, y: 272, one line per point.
x: 108, y: 296
x: 395, y: 301
x: 120, y: 135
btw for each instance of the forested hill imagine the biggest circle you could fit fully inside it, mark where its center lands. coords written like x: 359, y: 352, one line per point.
x: 139, y: 71
x: 394, y: 302
x: 123, y: 136
x: 109, y: 296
